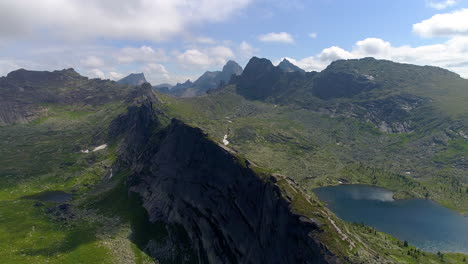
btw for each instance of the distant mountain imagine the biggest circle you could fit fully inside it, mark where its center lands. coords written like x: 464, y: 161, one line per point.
x: 390, y: 95
x: 210, y: 80
x: 133, y: 79
x: 168, y: 85
x: 24, y: 94
x: 163, y: 87
x: 261, y: 79
x: 287, y: 66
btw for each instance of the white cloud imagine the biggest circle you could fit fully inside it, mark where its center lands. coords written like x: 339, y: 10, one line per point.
x: 97, y: 73
x: 444, y: 25
x: 246, y: 51
x: 452, y: 54
x: 155, y: 20
x: 156, y: 72
x: 205, y: 40
x: 141, y: 54
x: 334, y: 53
x: 92, y: 62
x: 208, y: 57
x: 441, y: 4
x: 281, y: 37
x: 116, y: 76
x: 313, y: 35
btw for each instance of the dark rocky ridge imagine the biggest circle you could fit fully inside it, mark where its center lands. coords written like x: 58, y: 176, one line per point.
x: 228, y: 212
x: 133, y: 79
x: 24, y: 93
x: 261, y: 80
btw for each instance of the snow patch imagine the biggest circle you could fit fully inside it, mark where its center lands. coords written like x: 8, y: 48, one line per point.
x: 95, y: 149
x: 100, y: 147
x: 225, y: 141
x: 369, y: 77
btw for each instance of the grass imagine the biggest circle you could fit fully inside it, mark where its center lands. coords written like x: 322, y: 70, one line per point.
x: 44, y: 156
x: 28, y: 235
x: 318, y: 150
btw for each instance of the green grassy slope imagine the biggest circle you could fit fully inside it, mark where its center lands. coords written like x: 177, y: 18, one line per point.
x: 45, y: 156
x: 319, y: 150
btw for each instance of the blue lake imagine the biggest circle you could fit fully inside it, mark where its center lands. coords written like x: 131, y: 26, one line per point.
x: 422, y: 223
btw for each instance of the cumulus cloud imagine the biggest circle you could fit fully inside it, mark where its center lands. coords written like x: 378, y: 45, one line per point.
x: 119, y: 19
x: 207, y: 57
x: 441, y: 4
x: 246, y: 51
x: 444, y: 25
x: 92, y: 62
x: 152, y: 69
x: 141, y: 54
x: 97, y: 73
x: 452, y: 54
x: 116, y: 75
x: 281, y: 37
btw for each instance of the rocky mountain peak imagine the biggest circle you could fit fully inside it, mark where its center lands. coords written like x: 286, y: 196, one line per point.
x: 287, y: 66
x: 133, y: 79
x: 231, y: 68
x: 256, y: 65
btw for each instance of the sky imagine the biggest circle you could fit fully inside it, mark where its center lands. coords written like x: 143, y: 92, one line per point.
x: 171, y: 41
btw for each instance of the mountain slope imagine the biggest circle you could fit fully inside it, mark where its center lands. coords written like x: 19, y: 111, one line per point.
x: 106, y: 177
x: 287, y: 66
x: 386, y: 124
x: 133, y: 79
x: 24, y: 94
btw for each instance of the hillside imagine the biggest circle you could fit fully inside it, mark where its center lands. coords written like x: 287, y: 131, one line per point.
x: 282, y: 121
x: 106, y: 175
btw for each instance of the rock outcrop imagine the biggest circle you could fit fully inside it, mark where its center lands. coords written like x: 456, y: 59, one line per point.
x: 230, y: 214
x: 134, y: 79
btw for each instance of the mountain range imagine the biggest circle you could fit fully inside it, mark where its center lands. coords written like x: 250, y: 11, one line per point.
x: 97, y: 171
x: 210, y: 80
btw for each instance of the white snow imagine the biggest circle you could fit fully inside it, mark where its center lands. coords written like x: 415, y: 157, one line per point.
x: 100, y: 147
x: 225, y: 141
x: 369, y: 77
x: 95, y: 149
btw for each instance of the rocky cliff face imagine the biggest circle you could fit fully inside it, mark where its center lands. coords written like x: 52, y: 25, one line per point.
x: 230, y: 214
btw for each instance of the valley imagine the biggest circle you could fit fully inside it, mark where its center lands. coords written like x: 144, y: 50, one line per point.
x: 159, y: 183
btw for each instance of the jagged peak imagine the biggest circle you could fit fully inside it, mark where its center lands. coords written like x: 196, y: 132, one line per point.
x: 232, y: 67
x: 133, y: 79
x: 288, y: 66
x: 256, y: 64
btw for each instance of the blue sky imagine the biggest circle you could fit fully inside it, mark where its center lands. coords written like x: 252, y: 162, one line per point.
x: 171, y: 41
